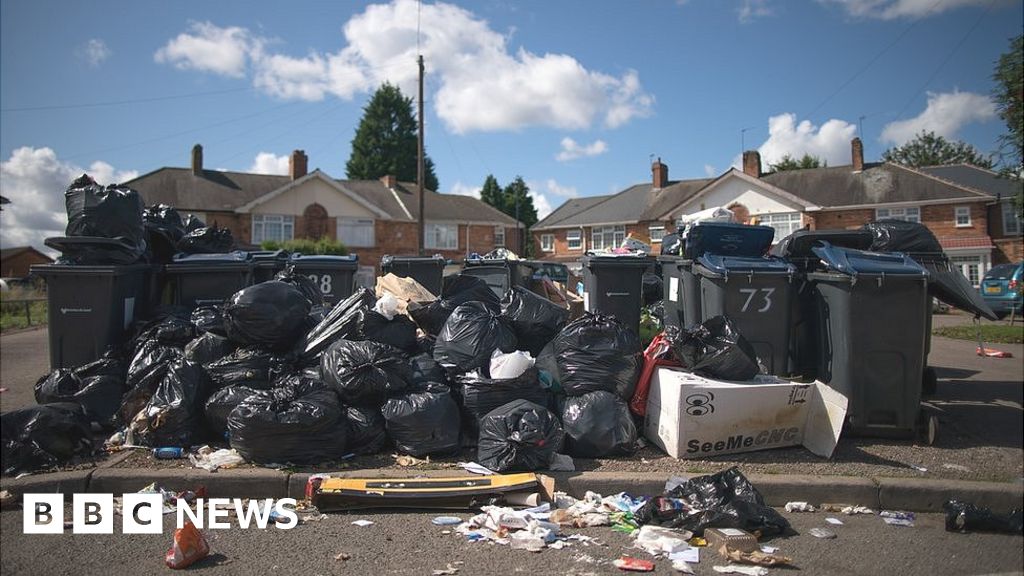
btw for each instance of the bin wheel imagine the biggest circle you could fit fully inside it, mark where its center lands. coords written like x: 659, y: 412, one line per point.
x: 928, y: 427
x: 929, y: 381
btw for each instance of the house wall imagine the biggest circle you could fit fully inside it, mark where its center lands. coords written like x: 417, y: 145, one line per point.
x: 17, y: 266
x: 314, y: 191
x: 737, y: 190
x: 1009, y: 247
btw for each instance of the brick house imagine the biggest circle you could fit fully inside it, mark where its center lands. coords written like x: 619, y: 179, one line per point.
x: 15, y: 262
x: 370, y: 217
x: 960, y: 215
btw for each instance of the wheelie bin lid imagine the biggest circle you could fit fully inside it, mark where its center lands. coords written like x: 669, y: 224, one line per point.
x: 728, y: 239
x: 265, y: 255
x: 799, y: 243
x: 616, y: 260
x: 224, y: 261
x: 389, y: 258
x: 324, y: 260
x: 853, y: 262
x: 719, y: 265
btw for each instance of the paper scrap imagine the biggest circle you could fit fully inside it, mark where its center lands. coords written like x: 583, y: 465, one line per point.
x: 835, y: 521
x: 474, y: 468
x: 769, y: 549
x: 689, y: 555
x: 362, y: 523
x: 748, y: 570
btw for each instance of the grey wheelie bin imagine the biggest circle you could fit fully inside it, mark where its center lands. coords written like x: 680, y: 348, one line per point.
x: 198, y: 280
x: 756, y: 294
x: 427, y: 270
x: 500, y: 273
x: 91, y: 308
x: 334, y: 275
x: 613, y: 286
x: 872, y: 317
x: 267, y: 263
x: 681, y: 291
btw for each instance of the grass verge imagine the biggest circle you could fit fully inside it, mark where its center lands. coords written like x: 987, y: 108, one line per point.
x: 1001, y: 333
x: 13, y: 313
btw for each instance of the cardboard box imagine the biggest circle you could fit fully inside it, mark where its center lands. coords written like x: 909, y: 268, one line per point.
x: 689, y: 416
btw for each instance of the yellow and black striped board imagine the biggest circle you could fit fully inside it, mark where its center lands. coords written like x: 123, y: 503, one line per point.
x: 452, y: 492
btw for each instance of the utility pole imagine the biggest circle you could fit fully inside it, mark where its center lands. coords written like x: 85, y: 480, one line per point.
x: 419, y: 167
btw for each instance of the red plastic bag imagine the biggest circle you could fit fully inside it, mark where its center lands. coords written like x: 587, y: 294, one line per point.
x: 189, y: 547
x: 658, y: 353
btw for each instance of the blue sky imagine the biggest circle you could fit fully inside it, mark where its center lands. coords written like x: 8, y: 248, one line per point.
x: 577, y: 97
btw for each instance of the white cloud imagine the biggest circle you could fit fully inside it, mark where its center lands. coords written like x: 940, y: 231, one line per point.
x: 94, y: 52
x: 945, y: 115
x: 892, y: 9
x: 750, y: 10
x: 558, y: 190
x: 464, y: 190
x: 34, y: 180
x: 709, y: 171
x: 478, y: 82
x: 830, y: 142
x: 571, y: 150
x: 268, y: 163
x: 210, y: 48
x: 542, y: 193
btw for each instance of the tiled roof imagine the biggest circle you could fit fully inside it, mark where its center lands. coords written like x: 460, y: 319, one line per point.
x: 948, y: 242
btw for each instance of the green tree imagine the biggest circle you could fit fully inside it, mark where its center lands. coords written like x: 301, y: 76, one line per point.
x: 514, y: 200
x: 492, y: 193
x: 386, y: 140
x: 929, y: 149
x: 1009, y: 98
x: 789, y: 163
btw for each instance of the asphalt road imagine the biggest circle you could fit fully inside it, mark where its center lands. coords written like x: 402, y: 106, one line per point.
x: 407, y: 543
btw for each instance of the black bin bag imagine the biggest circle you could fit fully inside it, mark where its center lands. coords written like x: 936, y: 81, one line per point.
x: 518, y: 436
x: 399, y: 332
x: 598, y: 425
x: 111, y: 212
x: 366, y: 429
x: 43, y: 436
x: 534, y: 319
x: 174, y: 414
x: 426, y: 369
x: 722, y: 500
x: 304, y: 284
x: 967, y: 517
x: 219, y: 406
x: 209, y: 319
x: 470, y: 335
x: 207, y: 240
x: 714, y: 348
x: 97, y: 386
x: 270, y: 314
x: 365, y: 373
x: 457, y: 290
x: 424, y: 421
x: 209, y: 348
x: 481, y: 395
x: 340, y: 323
x: 299, y: 422
x: 595, y: 352
x: 146, y: 371
x: 652, y: 288
x: 246, y: 367
x: 164, y: 228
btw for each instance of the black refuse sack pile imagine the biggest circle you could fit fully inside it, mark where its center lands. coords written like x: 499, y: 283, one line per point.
x: 284, y: 380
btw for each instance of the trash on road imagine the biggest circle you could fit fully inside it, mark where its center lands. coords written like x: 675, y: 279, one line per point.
x: 733, y: 538
x: 823, y: 533
x: 799, y: 507
x: 333, y: 494
x: 449, y: 569
x: 893, y: 518
x: 748, y: 570
x: 834, y: 521
x: 189, y: 546
x: 630, y: 564
x: 362, y: 523
x: 967, y: 517
x: 212, y: 460
x: 993, y: 353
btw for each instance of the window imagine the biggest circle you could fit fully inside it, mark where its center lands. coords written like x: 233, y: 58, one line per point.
x: 1011, y: 219
x: 605, y: 237
x: 784, y: 224
x: 970, y: 266
x: 574, y: 239
x: 908, y: 214
x: 275, y: 227
x: 499, y: 236
x: 356, y: 233
x: 963, y: 216
x: 442, y: 236
x: 547, y: 242
x: 656, y: 232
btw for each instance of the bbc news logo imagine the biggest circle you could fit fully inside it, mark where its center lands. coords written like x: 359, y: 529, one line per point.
x: 143, y: 513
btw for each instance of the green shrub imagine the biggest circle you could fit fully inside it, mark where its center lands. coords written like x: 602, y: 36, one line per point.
x: 307, y: 246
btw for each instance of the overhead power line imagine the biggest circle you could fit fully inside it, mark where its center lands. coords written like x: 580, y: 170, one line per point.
x: 123, y: 102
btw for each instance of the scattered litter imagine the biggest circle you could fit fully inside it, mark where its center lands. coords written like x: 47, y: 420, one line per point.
x: 633, y: 564
x: 690, y: 555
x: 733, y: 538
x: 449, y: 569
x: 6, y: 499
x: 755, y: 557
x: 524, y: 540
x: 897, y: 515
x: 188, y: 547
x: 823, y: 533
x: 680, y: 566
x: 473, y: 468
x: 834, y: 507
x: 834, y: 521
x: 656, y: 540
x: 769, y: 549
x: 2, y: 390
x: 211, y: 460
x: 748, y: 570
x: 363, y: 523
x: 799, y: 507
x: 446, y: 532
x: 446, y: 521
x: 956, y: 467
x: 918, y: 468
x: 898, y: 522
x: 342, y: 556
x: 851, y: 510
x: 405, y: 460
x: 963, y: 516
x: 993, y: 353
x: 697, y: 541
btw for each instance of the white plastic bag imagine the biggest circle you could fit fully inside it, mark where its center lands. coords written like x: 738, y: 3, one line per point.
x: 511, y: 365
x: 387, y: 306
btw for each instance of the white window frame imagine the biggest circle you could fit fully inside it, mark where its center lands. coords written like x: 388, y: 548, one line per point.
x: 499, y: 236
x: 656, y: 232
x: 784, y: 223
x: 260, y: 222
x: 350, y: 223
x: 599, y: 236
x: 1011, y: 221
x: 962, y: 212
x: 972, y: 266
x: 450, y: 238
x: 574, y: 237
x: 547, y: 242
x: 907, y: 214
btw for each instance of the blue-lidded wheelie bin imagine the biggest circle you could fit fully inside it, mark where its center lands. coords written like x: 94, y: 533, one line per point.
x: 267, y: 263
x: 428, y: 271
x: 613, y: 286
x: 334, y: 275
x: 197, y: 280
x: 91, y: 308
x: 871, y: 322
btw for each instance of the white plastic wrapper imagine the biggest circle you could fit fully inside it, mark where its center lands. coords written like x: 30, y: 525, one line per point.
x: 511, y: 365
x: 387, y: 306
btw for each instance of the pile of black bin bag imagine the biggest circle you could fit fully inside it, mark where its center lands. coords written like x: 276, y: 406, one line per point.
x: 280, y: 377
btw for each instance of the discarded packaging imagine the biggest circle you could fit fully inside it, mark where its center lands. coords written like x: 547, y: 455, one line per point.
x: 362, y: 523
x: 189, y: 546
x: 733, y: 538
x: 799, y: 507
x: 633, y: 564
x: 329, y: 494
x: 213, y: 460
x: 834, y: 521
x: 823, y: 533
x: 748, y: 570
x: 446, y: 521
x: 753, y: 557
x: 963, y: 517
x: 656, y: 540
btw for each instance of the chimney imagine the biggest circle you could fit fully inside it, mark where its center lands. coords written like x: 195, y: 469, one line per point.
x: 752, y: 163
x: 659, y: 172
x: 297, y: 164
x: 389, y: 180
x: 197, y: 160
x: 857, y: 150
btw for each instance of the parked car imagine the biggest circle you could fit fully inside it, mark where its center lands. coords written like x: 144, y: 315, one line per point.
x: 1002, y: 288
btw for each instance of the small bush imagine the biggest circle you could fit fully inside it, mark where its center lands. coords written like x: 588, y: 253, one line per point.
x: 308, y: 246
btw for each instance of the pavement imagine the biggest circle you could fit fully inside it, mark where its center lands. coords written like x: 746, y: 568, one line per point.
x: 23, y: 358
